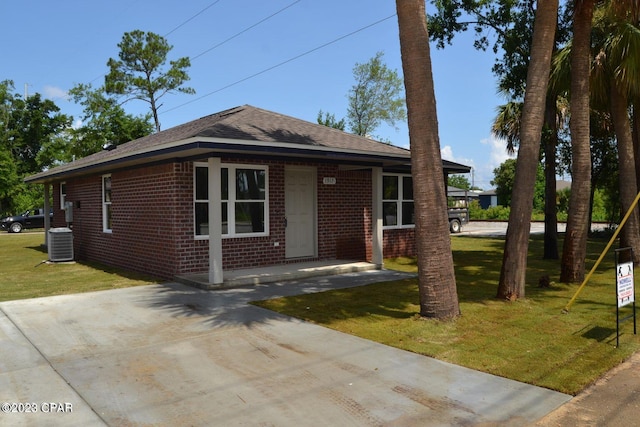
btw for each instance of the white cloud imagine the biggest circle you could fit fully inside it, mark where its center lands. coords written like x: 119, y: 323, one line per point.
x: 498, y: 151
x: 53, y: 93
x: 482, y: 173
x: 446, y: 153
x: 497, y: 155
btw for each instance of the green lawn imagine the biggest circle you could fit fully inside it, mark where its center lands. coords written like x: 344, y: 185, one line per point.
x: 529, y: 340
x: 24, y: 275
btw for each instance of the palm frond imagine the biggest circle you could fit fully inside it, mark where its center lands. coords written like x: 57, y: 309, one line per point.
x: 507, y: 124
x: 560, y: 77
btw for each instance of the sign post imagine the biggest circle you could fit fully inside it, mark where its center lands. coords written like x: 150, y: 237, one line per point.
x: 625, y: 288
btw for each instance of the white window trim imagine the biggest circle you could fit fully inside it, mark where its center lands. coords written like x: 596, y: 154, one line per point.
x: 63, y: 194
x: 398, y: 202
x: 195, y: 200
x: 232, y: 167
x: 104, y: 205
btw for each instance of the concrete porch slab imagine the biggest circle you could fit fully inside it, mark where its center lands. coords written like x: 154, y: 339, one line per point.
x: 277, y: 273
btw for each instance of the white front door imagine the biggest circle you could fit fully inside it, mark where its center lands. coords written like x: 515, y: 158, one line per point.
x: 300, y: 212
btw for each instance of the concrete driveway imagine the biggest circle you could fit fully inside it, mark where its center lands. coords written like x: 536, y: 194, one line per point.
x: 173, y: 355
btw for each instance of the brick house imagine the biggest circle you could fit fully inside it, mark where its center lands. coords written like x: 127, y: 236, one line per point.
x: 240, y: 188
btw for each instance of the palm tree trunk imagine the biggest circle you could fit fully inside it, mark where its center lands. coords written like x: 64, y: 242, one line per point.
x: 550, y: 208
x: 629, y: 235
x: 514, y: 260
x: 575, y: 242
x: 436, y: 276
x: 635, y: 123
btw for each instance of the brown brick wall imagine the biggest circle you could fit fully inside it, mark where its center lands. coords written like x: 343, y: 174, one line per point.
x: 344, y: 214
x: 146, y: 211
x: 398, y: 242
x: 153, y: 227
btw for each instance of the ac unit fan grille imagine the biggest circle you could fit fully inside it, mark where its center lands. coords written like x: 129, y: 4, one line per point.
x: 60, y: 246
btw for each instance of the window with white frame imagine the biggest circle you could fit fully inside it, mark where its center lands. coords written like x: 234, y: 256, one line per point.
x: 397, y: 201
x: 244, y: 200
x: 106, y: 203
x: 63, y: 194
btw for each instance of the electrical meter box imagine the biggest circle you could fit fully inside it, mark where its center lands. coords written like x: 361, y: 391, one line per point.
x: 68, y: 212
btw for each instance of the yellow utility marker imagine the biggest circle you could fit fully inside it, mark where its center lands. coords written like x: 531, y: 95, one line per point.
x: 565, y: 310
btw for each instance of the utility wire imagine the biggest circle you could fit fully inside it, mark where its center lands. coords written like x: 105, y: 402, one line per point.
x: 175, y: 29
x: 245, y: 30
x: 193, y: 17
x: 280, y: 64
x: 226, y: 40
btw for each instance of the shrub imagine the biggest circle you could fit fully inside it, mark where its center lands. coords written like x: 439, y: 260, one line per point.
x: 500, y: 213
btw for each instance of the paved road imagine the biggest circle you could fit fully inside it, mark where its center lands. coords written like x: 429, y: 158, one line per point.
x: 173, y: 355
x: 499, y: 228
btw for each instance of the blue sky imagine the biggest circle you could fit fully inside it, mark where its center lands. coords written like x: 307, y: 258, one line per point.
x: 50, y: 46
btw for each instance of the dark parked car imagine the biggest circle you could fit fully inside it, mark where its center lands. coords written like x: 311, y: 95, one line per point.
x: 33, y: 218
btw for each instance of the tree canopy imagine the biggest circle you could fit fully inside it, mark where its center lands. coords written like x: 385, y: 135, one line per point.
x: 141, y: 72
x: 459, y: 181
x: 329, y: 120
x: 28, y: 127
x: 375, y: 98
x: 35, y: 134
x: 504, y: 177
x: 104, y: 121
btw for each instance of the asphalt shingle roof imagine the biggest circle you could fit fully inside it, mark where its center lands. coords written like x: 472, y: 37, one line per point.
x: 247, y: 124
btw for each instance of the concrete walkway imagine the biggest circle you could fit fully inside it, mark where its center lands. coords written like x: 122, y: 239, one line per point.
x: 174, y: 355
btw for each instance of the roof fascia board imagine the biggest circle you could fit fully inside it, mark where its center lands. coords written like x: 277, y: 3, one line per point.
x: 290, y: 145
x: 221, y: 146
x: 287, y: 146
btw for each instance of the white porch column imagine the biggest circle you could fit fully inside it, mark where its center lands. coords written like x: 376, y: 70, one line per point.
x: 215, y: 222
x: 47, y: 220
x: 376, y: 216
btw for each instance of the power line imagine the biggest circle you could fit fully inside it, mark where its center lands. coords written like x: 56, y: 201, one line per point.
x: 281, y: 63
x: 193, y: 17
x: 245, y: 30
x: 175, y: 29
x: 226, y: 40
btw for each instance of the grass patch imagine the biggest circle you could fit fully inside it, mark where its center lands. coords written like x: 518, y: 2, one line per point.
x: 23, y: 275
x: 528, y: 340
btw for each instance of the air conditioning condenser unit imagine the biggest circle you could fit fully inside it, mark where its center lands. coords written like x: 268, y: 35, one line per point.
x: 60, y: 244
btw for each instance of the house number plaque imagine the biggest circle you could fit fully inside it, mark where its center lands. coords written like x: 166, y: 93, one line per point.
x: 329, y: 180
